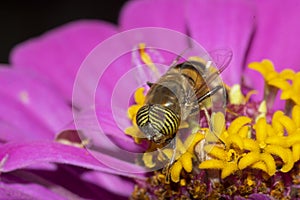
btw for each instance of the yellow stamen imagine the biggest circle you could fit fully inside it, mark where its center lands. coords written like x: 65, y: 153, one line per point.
x: 265, y: 68
x: 229, y: 169
x: 237, y: 124
x: 261, y: 132
x: 147, y: 158
x: 175, y: 171
x: 288, y: 124
x: 235, y: 140
x: 270, y: 163
x: 277, y: 140
x: 244, y: 132
x: 186, y: 161
x: 215, y: 151
x: 135, y: 133
x: 296, y: 115
x: 218, y: 123
x: 270, y: 131
x: 192, y: 140
x: 262, y: 109
x: 165, y: 154
x: 235, y: 95
x: 132, y: 110
x: 212, y: 164
x: 260, y: 165
x: 277, y: 126
x: 249, y: 159
x: 146, y: 58
x: 279, y: 83
x: 251, y: 145
x: 296, y: 152
x: 287, y: 74
x: 289, y: 164
x: 139, y: 96
x: 293, y: 138
x: 278, y: 151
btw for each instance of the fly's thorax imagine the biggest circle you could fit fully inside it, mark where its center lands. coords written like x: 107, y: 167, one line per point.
x: 195, y: 73
x: 176, y: 91
x: 168, y: 92
x: 157, y: 122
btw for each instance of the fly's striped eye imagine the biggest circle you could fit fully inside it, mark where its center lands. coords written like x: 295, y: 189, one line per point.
x: 157, y: 122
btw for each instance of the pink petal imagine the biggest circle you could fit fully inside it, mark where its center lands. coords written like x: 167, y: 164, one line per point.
x: 69, y: 182
x: 26, y: 192
x: 111, y: 60
x: 218, y: 24
x: 25, y: 185
x: 155, y: 13
x: 57, y: 55
x: 103, y: 131
x: 115, y: 184
x: 33, y: 110
x: 63, y: 183
x: 23, y: 154
x: 276, y: 38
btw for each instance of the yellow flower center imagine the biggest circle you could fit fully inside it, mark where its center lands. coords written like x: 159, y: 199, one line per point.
x: 245, y: 143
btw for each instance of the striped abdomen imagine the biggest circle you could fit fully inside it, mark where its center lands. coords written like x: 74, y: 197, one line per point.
x: 157, y: 122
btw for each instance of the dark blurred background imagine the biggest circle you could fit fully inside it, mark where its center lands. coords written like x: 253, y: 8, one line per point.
x: 21, y: 20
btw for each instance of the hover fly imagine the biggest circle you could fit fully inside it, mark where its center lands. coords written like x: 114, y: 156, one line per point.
x: 178, y: 94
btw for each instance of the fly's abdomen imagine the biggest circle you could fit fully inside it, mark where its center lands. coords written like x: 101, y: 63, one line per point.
x: 157, y: 122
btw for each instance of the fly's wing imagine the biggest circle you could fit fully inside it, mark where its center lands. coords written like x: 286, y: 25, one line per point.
x: 96, y: 129
x: 208, y: 66
x: 149, y: 64
x: 221, y: 58
x: 212, y: 90
x: 109, y: 120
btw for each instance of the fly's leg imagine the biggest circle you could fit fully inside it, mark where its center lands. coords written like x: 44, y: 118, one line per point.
x: 166, y: 169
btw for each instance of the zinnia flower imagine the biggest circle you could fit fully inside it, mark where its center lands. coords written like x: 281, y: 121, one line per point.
x: 41, y: 158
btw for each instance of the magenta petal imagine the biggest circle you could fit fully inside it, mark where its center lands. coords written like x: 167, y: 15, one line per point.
x: 155, y: 13
x: 103, y: 130
x: 19, y: 155
x: 277, y: 33
x: 276, y: 38
x: 57, y: 55
x: 66, y: 181
x: 26, y: 185
x: 26, y: 192
x: 218, y: 24
x: 115, y: 184
x: 31, y: 105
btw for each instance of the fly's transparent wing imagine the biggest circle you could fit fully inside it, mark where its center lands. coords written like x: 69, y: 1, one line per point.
x: 212, y: 89
x: 221, y: 58
x: 149, y: 64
